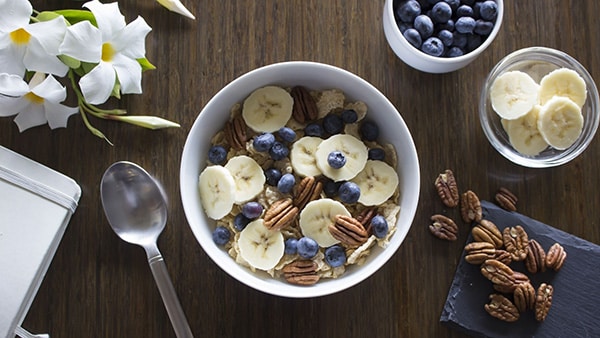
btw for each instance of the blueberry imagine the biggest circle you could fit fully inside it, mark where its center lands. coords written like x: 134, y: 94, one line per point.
x: 403, y: 26
x: 335, y: 256
x: 217, y: 154
x: 313, y: 129
x: 424, y: 26
x: 465, y: 24
x: 488, y: 10
x: 287, y: 134
x: 279, y: 151
x: 376, y: 154
x: 272, y: 175
x: 379, y: 226
x: 446, y: 37
x: 448, y: 25
x: 408, y: 10
x: 336, y: 159
x: 330, y: 187
x: 459, y: 40
x: 240, y: 221
x: 454, y: 52
x: 369, y: 131
x: 252, y: 210
x: 286, y: 183
x: 349, y: 116
x: 433, y: 46
x: 263, y: 142
x: 413, y: 37
x: 291, y: 246
x: 221, y: 235
x: 307, y: 247
x: 349, y: 192
x: 453, y: 4
x: 473, y: 41
x: 333, y: 124
x: 483, y: 27
x: 441, y: 12
x: 477, y: 10
x: 464, y: 10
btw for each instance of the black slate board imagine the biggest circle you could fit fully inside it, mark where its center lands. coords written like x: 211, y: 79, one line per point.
x: 576, y: 301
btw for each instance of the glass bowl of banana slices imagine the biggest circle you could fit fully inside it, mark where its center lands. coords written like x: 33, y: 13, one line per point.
x: 539, y: 107
x: 299, y: 179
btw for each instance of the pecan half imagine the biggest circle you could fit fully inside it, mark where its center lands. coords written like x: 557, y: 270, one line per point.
x: 479, y: 252
x: 536, y: 257
x: 524, y: 297
x: 443, y: 227
x: 555, y: 258
x: 309, y: 189
x: 446, y: 187
x: 503, y: 256
x: 235, y: 133
x: 543, y: 301
x: 506, y: 199
x: 502, y: 276
x: 516, y: 278
x: 516, y: 242
x: 280, y: 214
x: 487, y: 231
x: 348, y: 231
x: 470, y: 207
x: 365, y: 217
x: 305, y: 107
x: 502, y: 308
x: 301, y: 272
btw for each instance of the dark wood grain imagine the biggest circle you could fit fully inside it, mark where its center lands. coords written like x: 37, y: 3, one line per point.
x: 99, y: 286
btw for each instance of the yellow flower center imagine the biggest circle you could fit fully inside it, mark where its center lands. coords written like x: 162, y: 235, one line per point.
x: 108, y: 52
x: 34, y: 98
x: 20, y: 36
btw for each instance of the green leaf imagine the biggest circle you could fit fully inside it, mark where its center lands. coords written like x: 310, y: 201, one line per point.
x: 146, y: 65
x: 70, y: 61
x: 87, y: 67
x: 47, y: 16
x: 77, y: 15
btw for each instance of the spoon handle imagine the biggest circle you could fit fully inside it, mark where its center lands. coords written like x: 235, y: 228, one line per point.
x: 169, y: 297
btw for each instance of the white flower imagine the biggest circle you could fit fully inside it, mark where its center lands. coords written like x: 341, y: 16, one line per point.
x: 177, y: 7
x: 36, y: 103
x: 114, y: 45
x: 29, y: 46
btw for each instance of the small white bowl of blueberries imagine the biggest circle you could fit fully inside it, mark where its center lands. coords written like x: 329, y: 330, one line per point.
x: 441, y: 36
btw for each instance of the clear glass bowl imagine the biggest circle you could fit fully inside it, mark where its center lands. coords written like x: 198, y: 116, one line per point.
x: 537, y: 62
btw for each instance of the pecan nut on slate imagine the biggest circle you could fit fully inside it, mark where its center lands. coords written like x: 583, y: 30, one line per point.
x: 446, y: 187
x: 536, y: 257
x: 309, y: 189
x: 487, y: 231
x: 502, y: 308
x: 479, y: 252
x: 517, y: 278
x: 524, y: 297
x: 555, y: 258
x: 443, y: 227
x: 305, y: 107
x: 470, y: 207
x: 235, y: 133
x: 543, y: 301
x: 280, y: 214
x: 506, y: 199
x: 301, y: 272
x: 348, y: 231
x: 504, y: 279
x: 516, y: 242
x: 503, y: 256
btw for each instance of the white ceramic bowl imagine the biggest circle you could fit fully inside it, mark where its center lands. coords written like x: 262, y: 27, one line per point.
x: 424, y: 62
x: 538, y: 61
x: 313, y: 76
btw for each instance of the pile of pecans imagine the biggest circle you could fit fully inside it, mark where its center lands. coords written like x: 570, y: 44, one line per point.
x: 495, y: 250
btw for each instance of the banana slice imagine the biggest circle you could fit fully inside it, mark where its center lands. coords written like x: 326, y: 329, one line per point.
x: 260, y: 247
x: 563, y: 82
x: 354, y: 150
x: 523, y: 133
x: 560, y: 122
x: 248, y: 176
x: 316, y: 217
x: 377, y: 182
x: 302, y: 156
x: 217, y: 191
x: 513, y: 94
x: 267, y: 109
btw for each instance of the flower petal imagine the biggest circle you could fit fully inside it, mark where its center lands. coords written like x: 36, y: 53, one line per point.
x: 97, y: 85
x: 11, y: 105
x: 108, y: 17
x: 30, y: 116
x: 131, y: 40
x: 37, y: 59
x: 11, y: 58
x: 50, y: 90
x: 12, y: 85
x: 83, y: 42
x: 129, y: 73
x: 49, y: 34
x: 177, y: 7
x: 58, y: 114
x: 14, y: 14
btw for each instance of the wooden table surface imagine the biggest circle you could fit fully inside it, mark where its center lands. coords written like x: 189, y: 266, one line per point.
x: 100, y: 286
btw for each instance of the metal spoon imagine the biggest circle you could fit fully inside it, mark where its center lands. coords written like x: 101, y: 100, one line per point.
x: 136, y: 208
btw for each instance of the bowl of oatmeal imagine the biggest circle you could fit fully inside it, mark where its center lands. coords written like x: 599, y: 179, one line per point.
x: 299, y: 179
